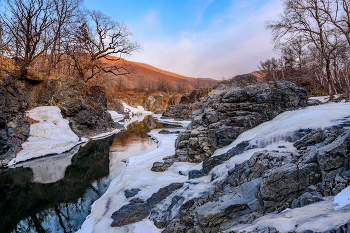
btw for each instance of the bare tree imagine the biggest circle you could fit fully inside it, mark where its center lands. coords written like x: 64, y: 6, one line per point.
x: 98, y: 45
x: 34, y: 30
x: 306, y: 19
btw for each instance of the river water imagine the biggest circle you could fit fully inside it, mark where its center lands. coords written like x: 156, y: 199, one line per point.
x: 55, y: 193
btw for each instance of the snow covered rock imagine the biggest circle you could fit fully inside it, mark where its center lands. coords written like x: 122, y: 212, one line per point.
x: 51, y: 135
x: 231, y: 109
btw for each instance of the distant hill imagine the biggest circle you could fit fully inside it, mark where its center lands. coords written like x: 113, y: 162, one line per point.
x: 149, y: 78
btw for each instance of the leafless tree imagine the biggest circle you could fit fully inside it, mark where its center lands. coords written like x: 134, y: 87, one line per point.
x: 307, y: 20
x: 98, y: 44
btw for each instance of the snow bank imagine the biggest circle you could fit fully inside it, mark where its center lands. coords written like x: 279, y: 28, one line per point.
x: 317, y: 217
x: 52, y: 135
x: 137, y: 174
x: 139, y: 110
x: 283, y: 125
x: 116, y: 116
x: 342, y: 199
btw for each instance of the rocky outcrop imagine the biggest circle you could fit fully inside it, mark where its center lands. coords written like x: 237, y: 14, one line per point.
x: 84, y: 106
x: 14, y: 127
x: 188, y: 103
x: 269, y: 181
x: 137, y: 211
x: 232, y: 108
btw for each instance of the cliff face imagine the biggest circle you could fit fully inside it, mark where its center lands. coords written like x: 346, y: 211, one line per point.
x: 14, y: 129
x: 230, y: 109
x: 85, y: 108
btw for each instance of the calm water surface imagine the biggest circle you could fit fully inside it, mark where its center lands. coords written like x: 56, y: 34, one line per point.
x: 55, y: 193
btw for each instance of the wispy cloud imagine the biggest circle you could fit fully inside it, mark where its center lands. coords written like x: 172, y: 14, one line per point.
x: 228, y: 47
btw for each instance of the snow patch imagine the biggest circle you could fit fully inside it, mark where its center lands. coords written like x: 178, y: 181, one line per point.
x: 317, y: 217
x: 283, y: 125
x: 52, y: 135
x: 342, y: 199
x: 116, y: 116
x: 139, y: 110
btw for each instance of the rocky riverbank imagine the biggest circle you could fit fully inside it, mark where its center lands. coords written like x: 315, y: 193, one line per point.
x: 84, y: 106
x: 288, y: 174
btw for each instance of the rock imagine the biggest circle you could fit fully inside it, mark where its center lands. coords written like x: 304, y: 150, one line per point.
x: 135, y: 211
x: 237, y: 202
x: 282, y: 185
x: 165, y: 131
x: 313, y: 102
x: 162, y: 166
x: 231, y: 108
x: 84, y: 106
x: 193, y: 174
x: 149, y: 103
x: 131, y: 192
x: 189, y: 102
x: 130, y: 213
x: 306, y: 199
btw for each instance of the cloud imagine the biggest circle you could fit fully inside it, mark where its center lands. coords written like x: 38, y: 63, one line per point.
x: 151, y: 19
x: 225, y: 48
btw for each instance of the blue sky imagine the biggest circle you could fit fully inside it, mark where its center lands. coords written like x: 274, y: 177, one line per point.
x: 197, y: 38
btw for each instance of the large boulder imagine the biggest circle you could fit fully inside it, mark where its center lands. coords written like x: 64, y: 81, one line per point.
x: 232, y: 108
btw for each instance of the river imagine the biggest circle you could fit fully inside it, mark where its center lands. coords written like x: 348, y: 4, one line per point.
x: 55, y: 193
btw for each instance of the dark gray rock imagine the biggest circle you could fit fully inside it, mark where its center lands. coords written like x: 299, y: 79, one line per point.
x: 131, y: 192
x: 307, y: 199
x: 162, y: 166
x: 232, y: 108
x: 130, y: 213
x: 312, y: 102
x: 137, y: 210
x: 165, y: 131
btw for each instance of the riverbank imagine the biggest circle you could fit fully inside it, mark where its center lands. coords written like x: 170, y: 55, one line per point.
x: 137, y: 175
x: 273, y: 139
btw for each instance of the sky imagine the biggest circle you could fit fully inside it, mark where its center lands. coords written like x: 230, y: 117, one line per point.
x: 197, y: 38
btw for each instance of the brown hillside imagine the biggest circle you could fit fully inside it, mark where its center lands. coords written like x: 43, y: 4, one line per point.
x: 145, y: 80
x: 145, y: 77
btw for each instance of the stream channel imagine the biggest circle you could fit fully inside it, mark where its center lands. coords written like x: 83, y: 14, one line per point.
x: 55, y: 193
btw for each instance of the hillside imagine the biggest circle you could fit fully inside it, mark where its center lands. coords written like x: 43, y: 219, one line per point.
x: 142, y: 76
x: 145, y: 81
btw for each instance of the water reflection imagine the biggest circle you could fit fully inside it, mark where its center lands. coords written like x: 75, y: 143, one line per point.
x: 33, y: 199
